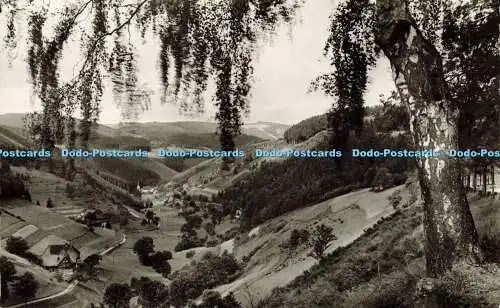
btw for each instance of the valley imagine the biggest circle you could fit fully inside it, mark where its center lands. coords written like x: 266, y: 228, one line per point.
x: 198, y: 212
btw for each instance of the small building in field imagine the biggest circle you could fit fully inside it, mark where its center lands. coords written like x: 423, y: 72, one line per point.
x: 56, y: 253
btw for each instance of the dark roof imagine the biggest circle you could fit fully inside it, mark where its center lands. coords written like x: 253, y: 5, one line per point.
x: 56, y: 249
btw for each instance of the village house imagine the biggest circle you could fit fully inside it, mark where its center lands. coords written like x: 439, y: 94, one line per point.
x: 94, y: 218
x: 56, y: 253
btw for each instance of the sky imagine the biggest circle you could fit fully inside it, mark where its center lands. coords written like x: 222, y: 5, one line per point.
x: 283, y: 71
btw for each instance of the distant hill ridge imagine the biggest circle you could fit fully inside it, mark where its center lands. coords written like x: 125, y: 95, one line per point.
x: 158, y: 131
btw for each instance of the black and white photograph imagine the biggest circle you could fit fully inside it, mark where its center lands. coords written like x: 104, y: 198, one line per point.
x: 250, y: 153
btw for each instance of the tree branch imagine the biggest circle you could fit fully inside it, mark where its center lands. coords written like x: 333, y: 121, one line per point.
x: 80, y: 11
x: 91, y: 50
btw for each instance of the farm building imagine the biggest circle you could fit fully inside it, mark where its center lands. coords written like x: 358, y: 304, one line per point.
x: 56, y: 253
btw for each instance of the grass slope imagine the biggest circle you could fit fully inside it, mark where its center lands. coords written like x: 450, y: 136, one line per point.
x: 382, y: 268
x: 269, y: 263
x: 11, y: 136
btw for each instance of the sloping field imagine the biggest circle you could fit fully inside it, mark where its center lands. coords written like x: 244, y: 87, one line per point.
x: 68, y: 211
x: 154, y: 165
x: 25, y: 231
x: 185, y: 175
x: 272, y: 266
x: 48, y: 284
x: 12, y: 136
x: 10, y: 225
x: 47, y: 223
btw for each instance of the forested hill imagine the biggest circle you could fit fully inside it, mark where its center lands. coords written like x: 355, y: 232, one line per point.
x: 307, y: 128
x: 386, y: 117
x: 281, y: 186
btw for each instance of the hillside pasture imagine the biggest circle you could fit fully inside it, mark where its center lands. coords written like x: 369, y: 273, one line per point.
x: 271, y: 264
x: 10, y: 224
x: 51, y: 223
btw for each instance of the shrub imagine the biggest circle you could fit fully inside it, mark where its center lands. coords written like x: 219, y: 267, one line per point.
x: 194, y: 221
x: 49, y: 203
x: 32, y: 258
x: 490, y: 244
x: 144, y: 247
x: 188, y: 241
x: 159, y: 262
x: 455, y: 290
x: 395, y: 199
x: 213, y: 299
x: 298, y: 237
x: 117, y: 295
x: 395, y: 291
x: 212, y: 242
x: 16, y: 245
x: 321, y: 236
x: 168, y: 254
x: 210, y: 228
x: 209, y: 272
x: 190, y: 254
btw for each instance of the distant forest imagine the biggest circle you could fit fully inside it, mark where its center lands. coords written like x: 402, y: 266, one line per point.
x: 390, y: 115
x: 280, y: 187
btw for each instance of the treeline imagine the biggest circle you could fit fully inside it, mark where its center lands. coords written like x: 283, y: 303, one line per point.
x: 208, y: 140
x: 122, y: 142
x: 127, y: 171
x: 192, y: 282
x: 389, y: 116
x: 306, y: 129
x: 277, y: 188
x: 11, y: 185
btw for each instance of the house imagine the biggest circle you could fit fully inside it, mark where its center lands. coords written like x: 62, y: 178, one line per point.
x: 56, y: 253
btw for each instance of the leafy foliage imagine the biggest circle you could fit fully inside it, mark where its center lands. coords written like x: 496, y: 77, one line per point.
x: 321, y: 236
x: 153, y: 293
x: 189, y: 239
x: 159, y: 262
x: 298, y: 237
x: 209, y: 272
x: 118, y: 295
x: 144, y: 246
x: 8, y: 272
x: 307, y: 128
x: 198, y: 39
x: 272, y: 189
x: 16, y: 245
x: 351, y: 49
x: 214, y: 299
x: 26, y: 286
x: 91, y: 262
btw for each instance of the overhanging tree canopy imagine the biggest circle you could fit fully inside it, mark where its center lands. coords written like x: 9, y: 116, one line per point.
x: 198, y: 39
x: 443, y: 53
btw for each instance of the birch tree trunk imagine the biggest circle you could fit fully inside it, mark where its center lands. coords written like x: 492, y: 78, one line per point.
x: 485, y: 179
x: 493, y: 179
x: 475, y: 179
x: 449, y: 227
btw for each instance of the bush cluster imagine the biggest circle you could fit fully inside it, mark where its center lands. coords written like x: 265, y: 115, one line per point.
x: 210, y: 271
